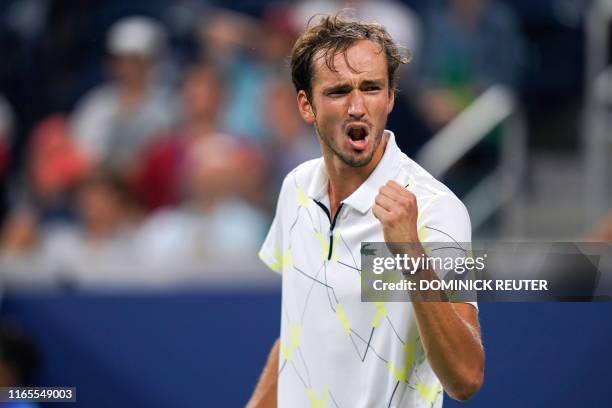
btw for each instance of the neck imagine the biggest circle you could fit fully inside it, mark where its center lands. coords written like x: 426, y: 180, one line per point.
x: 138, y: 86
x: 131, y: 96
x: 200, y: 127
x: 98, y: 232
x: 344, y: 180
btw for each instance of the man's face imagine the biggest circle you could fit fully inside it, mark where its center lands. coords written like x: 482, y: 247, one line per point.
x: 349, y: 106
x: 202, y: 95
x: 130, y: 69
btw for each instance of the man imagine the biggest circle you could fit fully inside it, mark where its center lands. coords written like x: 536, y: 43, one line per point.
x: 115, y: 120
x: 335, y: 350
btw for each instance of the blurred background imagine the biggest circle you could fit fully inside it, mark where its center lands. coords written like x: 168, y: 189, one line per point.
x: 143, y: 145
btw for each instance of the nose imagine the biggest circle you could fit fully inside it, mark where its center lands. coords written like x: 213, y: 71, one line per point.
x: 356, y: 109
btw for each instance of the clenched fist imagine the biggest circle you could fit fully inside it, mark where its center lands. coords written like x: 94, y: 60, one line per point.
x: 396, y: 209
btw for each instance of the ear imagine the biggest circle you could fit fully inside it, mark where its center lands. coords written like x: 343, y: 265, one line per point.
x: 391, y: 102
x: 305, y: 108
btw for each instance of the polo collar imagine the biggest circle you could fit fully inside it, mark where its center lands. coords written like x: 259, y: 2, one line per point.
x: 362, y: 199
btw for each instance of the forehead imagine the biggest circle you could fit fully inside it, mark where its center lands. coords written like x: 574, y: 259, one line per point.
x: 362, y: 60
x: 197, y: 76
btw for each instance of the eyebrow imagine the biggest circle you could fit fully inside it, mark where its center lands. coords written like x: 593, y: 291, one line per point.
x: 370, y: 82
x: 347, y: 86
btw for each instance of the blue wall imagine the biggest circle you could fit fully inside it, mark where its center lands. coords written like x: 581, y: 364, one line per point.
x: 207, y: 349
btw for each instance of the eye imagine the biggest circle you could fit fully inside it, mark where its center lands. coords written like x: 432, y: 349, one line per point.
x: 371, y: 88
x: 338, y: 92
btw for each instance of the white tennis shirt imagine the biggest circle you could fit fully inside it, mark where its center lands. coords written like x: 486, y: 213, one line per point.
x: 337, y: 351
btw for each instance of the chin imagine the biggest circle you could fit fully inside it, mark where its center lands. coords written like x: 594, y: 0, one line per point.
x: 358, y: 161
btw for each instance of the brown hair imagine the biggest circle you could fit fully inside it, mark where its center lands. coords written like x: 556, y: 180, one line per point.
x: 336, y: 34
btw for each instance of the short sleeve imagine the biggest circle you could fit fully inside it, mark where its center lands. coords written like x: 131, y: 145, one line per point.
x: 444, y: 224
x: 444, y: 218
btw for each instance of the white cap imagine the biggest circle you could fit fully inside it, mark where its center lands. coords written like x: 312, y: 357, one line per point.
x: 135, y: 35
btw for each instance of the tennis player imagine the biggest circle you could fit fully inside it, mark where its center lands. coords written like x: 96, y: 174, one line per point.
x: 334, y: 350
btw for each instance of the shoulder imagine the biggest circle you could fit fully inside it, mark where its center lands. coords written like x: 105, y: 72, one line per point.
x: 61, y: 234
x: 439, y: 208
x: 162, y: 222
x: 98, y: 102
x: 105, y: 93
x: 61, y: 241
x: 301, y: 176
x: 305, y: 171
x: 420, y: 181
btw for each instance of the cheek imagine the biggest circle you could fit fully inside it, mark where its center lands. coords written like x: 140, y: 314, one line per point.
x: 382, y: 104
x: 383, y: 108
x: 327, y: 126
x: 330, y: 115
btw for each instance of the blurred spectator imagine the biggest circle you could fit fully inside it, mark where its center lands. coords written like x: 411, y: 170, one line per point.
x: 277, y: 35
x: 103, y: 237
x: 215, y: 223
x: 19, y: 235
x: 293, y: 141
x: 233, y: 43
x: 55, y: 166
x: 469, y: 46
x: 114, y: 121
x: 168, y: 160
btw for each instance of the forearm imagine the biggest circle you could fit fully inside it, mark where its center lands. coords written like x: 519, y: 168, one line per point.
x: 452, y: 345
x: 264, y: 395
x: 449, y: 332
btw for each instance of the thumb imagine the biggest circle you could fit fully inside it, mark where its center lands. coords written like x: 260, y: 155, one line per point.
x: 378, y: 212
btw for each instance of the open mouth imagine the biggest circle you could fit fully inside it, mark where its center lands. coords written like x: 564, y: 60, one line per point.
x: 357, y: 137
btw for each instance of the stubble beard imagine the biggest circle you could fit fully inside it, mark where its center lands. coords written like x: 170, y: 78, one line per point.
x: 351, y: 162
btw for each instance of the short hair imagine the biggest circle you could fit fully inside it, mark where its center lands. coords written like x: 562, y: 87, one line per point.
x: 335, y: 34
x: 114, y: 181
